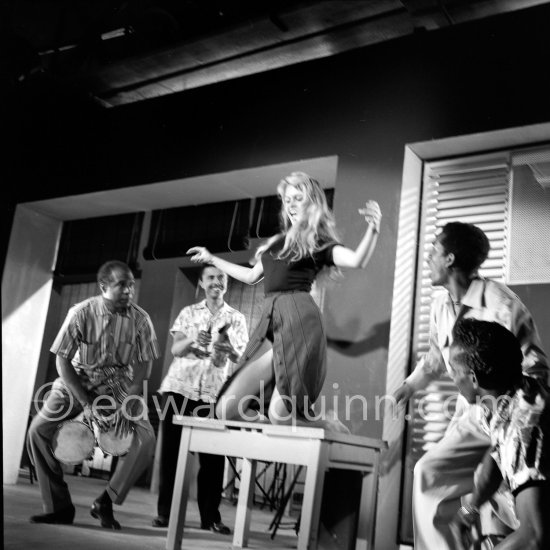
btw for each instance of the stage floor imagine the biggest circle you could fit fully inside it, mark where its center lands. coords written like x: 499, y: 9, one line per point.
x: 23, y: 500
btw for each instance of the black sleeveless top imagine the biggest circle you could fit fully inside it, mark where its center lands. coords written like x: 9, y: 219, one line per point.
x: 281, y: 275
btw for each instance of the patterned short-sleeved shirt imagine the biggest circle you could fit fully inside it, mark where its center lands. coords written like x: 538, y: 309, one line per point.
x: 102, y: 345
x: 198, y: 379
x: 520, y: 435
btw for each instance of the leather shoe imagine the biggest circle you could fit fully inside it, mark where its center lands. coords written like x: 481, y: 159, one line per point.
x: 65, y: 516
x: 160, y: 521
x: 221, y: 528
x: 104, y: 512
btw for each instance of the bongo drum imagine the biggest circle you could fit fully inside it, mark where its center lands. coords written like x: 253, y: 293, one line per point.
x: 73, y: 442
x: 112, y: 444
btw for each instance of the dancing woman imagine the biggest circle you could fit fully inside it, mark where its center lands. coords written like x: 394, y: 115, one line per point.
x: 286, y: 356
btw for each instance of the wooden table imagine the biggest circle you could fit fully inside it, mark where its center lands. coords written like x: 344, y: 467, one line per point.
x: 315, y: 448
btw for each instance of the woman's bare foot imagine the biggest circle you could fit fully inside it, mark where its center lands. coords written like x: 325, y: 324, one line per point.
x: 257, y: 416
x: 333, y: 424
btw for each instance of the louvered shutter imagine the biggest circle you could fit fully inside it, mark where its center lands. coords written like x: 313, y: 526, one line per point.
x: 472, y: 190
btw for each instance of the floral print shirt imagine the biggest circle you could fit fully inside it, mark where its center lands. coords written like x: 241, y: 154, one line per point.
x: 520, y: 435
x: 196, y: 378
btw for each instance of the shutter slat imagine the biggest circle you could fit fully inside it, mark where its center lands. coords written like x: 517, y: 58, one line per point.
x: 455, y: 214
x: 493, y: 191
x: 471, y: 191
x: 471, y: 184
x: 476, y: 219
x: 466, y: 202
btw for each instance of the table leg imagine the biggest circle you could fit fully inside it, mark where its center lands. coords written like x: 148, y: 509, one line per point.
x: 313, y: 491
x: 244, y: 504
x: 367, y: 509
x: 180, y: 494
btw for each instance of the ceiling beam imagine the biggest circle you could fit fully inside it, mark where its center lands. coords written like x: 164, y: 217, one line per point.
x: 314, y: 31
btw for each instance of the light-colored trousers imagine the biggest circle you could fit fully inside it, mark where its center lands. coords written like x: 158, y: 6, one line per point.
x: 445, y: 474
x: 58, y: 407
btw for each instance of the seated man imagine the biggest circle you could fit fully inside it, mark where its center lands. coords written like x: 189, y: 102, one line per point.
x: 486, y: 366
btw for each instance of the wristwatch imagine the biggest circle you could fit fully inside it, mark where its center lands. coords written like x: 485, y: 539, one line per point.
x: 469, y: 513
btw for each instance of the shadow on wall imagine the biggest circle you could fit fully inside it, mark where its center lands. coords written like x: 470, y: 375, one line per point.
x: 376, y: 338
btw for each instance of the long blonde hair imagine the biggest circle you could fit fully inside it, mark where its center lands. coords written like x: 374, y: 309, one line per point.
x: 314, y: 230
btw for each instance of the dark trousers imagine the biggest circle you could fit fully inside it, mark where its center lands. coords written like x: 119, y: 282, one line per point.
x: 60, y: 406
x: 210, y: 476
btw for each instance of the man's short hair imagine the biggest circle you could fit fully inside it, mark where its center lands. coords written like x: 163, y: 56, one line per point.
x: 203, y: 267
x: 467, y: 242
x: 490, y: 351
x: 105, y: 272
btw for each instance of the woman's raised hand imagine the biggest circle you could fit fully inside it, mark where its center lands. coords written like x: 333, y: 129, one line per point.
x: 373, y: 214
x: 200, y: 255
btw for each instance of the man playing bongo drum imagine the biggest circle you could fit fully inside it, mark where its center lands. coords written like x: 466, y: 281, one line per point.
x: 104, y: 350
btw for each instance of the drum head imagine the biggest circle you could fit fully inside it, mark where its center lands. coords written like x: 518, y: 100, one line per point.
x: 112, y: 445
x: 73, y: 442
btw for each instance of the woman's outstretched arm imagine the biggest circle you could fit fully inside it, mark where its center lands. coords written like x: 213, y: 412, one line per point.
x: 249, y: 275
x: 346, y: 257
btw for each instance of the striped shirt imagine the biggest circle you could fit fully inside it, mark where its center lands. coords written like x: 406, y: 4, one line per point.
x: 102, y: 345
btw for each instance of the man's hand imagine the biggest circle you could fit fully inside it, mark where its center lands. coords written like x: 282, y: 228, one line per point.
x: 227, y: 349
x: 88, y: 413
x: 122, y: 424
x: 204, y: 338
x: 403, y: 394
x: 92, y: 416
x: 198, y: 352
x: 466, y: 528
